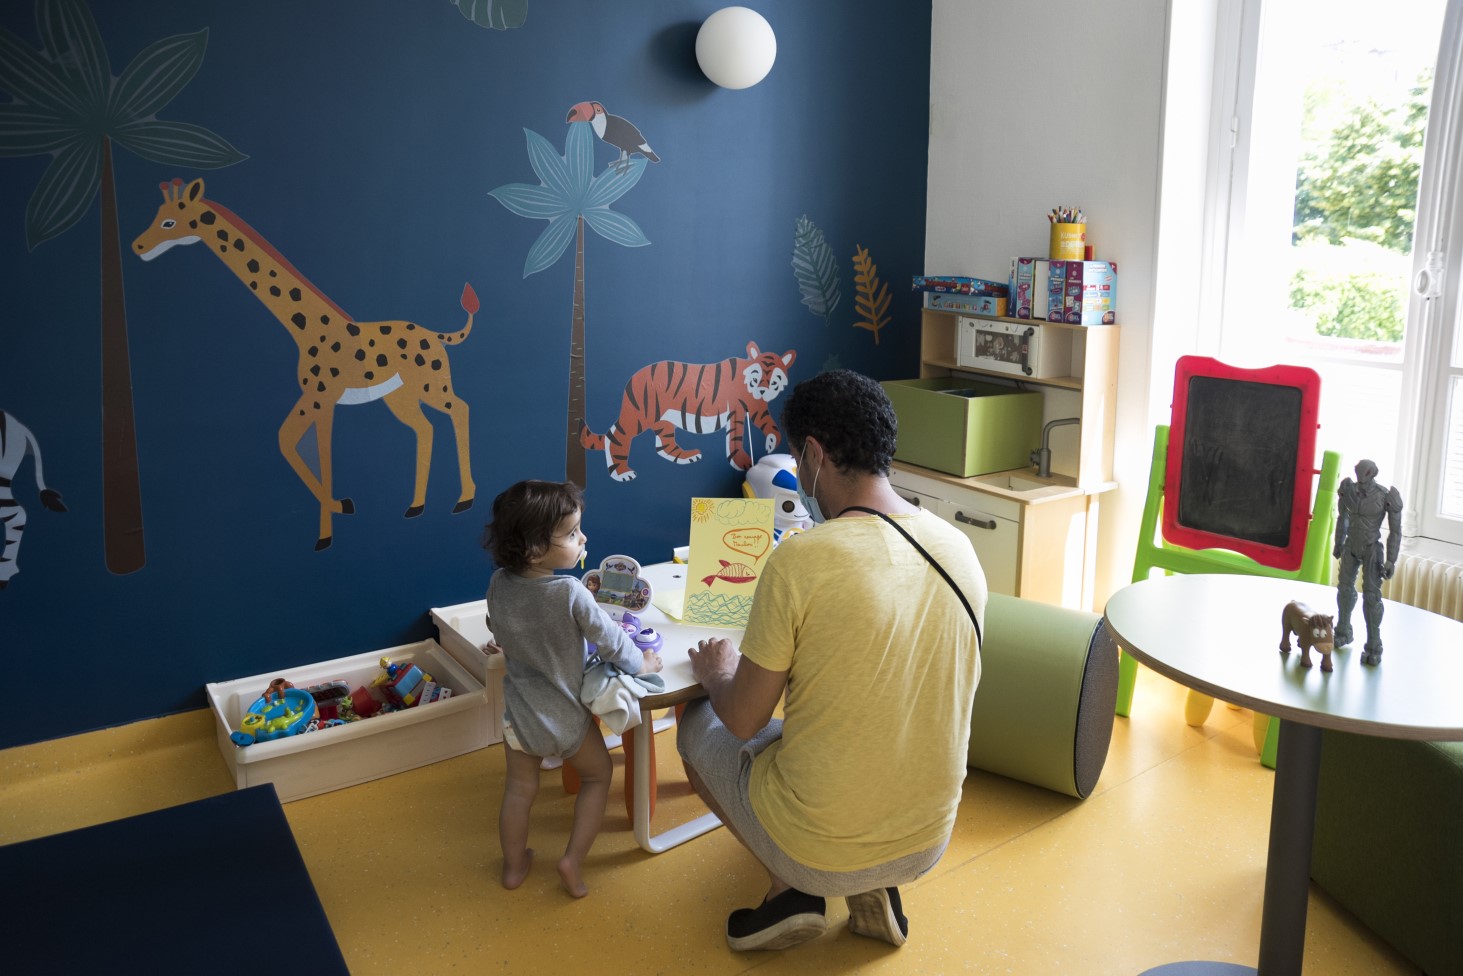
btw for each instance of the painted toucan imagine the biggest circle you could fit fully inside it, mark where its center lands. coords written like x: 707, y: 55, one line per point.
x: 618, y: 132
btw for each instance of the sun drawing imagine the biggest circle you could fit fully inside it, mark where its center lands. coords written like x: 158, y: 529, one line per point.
x: 702, y: 509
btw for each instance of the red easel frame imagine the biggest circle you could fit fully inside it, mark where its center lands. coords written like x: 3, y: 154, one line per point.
x: 1308, y: 382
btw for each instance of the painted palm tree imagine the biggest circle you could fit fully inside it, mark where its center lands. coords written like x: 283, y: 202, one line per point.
x: 569, y: 196
x: 67, y: 104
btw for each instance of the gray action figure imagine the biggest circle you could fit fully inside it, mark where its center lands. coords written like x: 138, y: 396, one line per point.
x: 1360, y: 507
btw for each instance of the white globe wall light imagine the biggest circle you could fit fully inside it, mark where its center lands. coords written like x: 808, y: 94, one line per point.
x: 735, y: 47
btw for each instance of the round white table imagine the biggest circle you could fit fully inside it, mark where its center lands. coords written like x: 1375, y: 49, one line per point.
x: 1220, y: 634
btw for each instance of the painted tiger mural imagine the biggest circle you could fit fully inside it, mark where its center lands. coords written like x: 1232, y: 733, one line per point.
x: 700, y: 399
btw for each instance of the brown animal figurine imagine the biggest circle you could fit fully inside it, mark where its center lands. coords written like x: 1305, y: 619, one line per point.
x: 276, y: 690
x: 1312, y: 631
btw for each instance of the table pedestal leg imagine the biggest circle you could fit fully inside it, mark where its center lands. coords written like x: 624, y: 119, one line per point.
x: 1288, y: 868
x: 630, y: 743
x: 642, y: 763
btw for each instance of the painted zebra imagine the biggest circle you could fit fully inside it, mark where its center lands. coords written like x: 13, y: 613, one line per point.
x: 15, y: 440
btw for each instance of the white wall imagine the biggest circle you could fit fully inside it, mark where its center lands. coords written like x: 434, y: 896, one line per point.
x: 1059, y: 102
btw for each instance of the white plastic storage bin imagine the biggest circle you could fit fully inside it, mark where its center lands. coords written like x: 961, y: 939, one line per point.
x: 462, y: 630
x: 329, y: 759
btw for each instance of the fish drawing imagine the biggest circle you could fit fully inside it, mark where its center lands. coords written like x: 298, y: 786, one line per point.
x: 731, y: 573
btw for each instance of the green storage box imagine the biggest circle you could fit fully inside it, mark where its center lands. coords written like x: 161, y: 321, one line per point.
x: 965, y: 427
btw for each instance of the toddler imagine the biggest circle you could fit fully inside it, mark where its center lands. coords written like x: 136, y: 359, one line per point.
x: 541, y: 621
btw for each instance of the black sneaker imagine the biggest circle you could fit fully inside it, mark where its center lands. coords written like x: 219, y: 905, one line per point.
x: 789, y: 919
x: 878, y: 914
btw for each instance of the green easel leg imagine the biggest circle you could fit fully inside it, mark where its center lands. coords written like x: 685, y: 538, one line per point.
x: 1127, y: 678
x: 1272, y: 744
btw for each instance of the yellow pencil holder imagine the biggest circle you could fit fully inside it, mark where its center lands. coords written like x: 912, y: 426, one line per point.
x: 1069, y: 242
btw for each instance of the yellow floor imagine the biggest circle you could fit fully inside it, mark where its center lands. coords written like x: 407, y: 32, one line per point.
x: 1164, y: 862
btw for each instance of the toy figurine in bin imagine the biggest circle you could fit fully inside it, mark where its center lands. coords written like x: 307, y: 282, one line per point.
x: 404, y: 684
x: 333, y: 699
x: 282, y: 710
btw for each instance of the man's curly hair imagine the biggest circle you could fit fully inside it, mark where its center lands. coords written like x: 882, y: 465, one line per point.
x: 849, y: 414
x: 524, y: 519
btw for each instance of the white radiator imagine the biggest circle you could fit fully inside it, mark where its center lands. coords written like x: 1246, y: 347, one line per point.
x: 1427, y: 582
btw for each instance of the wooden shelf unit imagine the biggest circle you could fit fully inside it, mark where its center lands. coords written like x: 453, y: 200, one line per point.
x: 1041, y: 544
x: 1093, y: 375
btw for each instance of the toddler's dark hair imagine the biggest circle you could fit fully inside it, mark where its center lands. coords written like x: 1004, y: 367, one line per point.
x: 524, y: 519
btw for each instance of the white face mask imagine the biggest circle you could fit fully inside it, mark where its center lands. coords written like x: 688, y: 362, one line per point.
x: 815, y: 511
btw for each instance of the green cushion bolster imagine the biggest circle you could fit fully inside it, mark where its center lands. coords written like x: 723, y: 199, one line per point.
x: 1389, y: 841
x: 1027, y: 722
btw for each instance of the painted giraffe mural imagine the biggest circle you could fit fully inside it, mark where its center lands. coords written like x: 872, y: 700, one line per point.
x: 342, y: 360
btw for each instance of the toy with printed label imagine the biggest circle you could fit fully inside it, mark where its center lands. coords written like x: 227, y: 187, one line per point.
x: 282, y: 710
x: 618, y: 586
x: 775, y: 476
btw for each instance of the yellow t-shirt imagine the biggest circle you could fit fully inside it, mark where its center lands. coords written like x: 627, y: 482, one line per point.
x: 882, y: 665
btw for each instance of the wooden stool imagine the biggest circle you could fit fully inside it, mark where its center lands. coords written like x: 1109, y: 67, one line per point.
x: 570, y: 778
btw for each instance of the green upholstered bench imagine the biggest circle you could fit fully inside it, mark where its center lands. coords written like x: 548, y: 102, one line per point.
x: 1044, y: 707
x: 1389, y: 842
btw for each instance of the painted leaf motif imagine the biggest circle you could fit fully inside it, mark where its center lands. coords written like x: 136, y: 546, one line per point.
x: 67, y: 27
x: 494, y: 14
x: 527, y: 200
x: 27, y: 131
x: 872, y: 298
x: 550, y: 244
x: 548, y: 165
x: 615, y: 227
x: 64, y: 193
x: 579, y: 157
x: 610, y: 185
x: 34, y: 79
x: 158, y: 73
x: 179, y: 143
x: 815, y: 269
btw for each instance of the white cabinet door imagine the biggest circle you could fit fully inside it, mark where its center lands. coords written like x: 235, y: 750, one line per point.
x: 918, y: 498
x: 991, y: 524
x: 994, y: 537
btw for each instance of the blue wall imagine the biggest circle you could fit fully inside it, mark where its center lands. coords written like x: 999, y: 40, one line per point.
x: 374, y: 132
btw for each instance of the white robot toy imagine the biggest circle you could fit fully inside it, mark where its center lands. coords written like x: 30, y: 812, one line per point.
x: 775, y: 476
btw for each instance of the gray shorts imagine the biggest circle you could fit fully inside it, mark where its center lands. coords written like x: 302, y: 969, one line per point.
x: 724, y: 764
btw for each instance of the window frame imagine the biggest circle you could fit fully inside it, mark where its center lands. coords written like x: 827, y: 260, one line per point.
x: 1439, y: 231
x: 1432, y: 357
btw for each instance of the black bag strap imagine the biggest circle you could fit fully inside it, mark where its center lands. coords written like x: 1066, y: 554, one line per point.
x: 979, y: 640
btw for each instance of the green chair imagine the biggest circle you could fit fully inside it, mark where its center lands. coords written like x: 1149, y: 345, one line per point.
x: 1156, y: 553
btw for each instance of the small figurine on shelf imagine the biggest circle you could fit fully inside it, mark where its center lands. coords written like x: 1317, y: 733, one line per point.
x: 1361, y: 506
x: 1312, y: 630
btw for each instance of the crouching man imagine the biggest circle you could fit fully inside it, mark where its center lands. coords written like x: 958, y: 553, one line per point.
x: 870, y: 624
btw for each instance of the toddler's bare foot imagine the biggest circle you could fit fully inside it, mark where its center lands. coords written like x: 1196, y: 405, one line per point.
x: 570, y: 879
x: 513, y: 875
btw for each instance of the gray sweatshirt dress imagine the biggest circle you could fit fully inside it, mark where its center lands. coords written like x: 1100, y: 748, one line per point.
x: 542, y: 625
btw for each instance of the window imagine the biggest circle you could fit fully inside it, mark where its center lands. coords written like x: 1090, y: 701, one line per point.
x: 1339, y: 235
